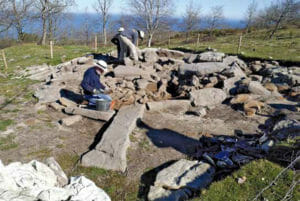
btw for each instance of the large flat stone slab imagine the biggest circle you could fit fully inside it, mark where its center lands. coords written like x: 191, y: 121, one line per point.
x: 129, y: 71
x: 161, y: 194
x: 194, y: 175
x: 93, y: 114
x: 208, y: 97
x: 178, y: 181
x: 257, y: 88
x: 69, y: 121
x: 48, y: 93
x: 202, y: 68
x: 174, y: 54
x: 211, y: 56
x: 158, y: 106
x: 110, y: 153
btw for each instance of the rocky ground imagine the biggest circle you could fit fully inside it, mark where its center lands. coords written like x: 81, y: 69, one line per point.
x: 195, y: 115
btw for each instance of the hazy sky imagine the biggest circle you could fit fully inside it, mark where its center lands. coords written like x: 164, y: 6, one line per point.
x: 234, y: 9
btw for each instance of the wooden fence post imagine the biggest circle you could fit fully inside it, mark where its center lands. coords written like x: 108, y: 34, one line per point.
x: 4, y: 60
x: 198, y: 40
x: 240, y: 44
x: 96, y: 43
x: 169, y: 41
x: 51, y: 49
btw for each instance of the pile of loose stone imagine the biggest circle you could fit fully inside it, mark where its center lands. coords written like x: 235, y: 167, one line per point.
x: 204, y: 80
x: 164, y: 74
x: 45, y: 182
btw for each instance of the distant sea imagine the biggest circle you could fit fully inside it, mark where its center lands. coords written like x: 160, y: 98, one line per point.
x: 75, y: 22
x: 230, y: 23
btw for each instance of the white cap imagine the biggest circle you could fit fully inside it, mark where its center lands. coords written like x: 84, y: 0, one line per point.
x: 121, y: 29
x: 142, y: 34
x: 101, y: 64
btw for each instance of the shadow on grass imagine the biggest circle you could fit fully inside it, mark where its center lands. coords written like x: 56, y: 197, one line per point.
x: 285, y: 152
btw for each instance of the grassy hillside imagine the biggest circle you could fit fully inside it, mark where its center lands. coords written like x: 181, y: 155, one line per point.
x: 21, y: 56
x: 285, y: 46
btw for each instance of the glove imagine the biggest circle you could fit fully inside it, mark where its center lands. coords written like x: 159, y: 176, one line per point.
x: 96, y: 91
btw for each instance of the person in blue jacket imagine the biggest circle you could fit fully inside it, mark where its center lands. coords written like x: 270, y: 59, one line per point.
x: 92, y: 87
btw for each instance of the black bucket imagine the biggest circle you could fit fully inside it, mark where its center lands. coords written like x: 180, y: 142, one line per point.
x: 102, y: 105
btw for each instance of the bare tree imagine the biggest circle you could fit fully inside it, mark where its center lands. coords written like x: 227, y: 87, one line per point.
x: 250, y: 14
x: 5, y: 23
x: 283, y: 11
x: 102, y: 7
x: 47, y: 9
x: 19, y: 14
x: 86, y: 27
x: 191, y: 17
x: 215, y: 18
x: 150, y: 14
x: 125, y: 20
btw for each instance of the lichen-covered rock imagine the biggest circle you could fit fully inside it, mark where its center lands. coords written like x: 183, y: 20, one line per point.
x: 161, y: 194
x: 285, y: 128
x: 257, y: 88
x: 207, y: 97
x: 202, y: 68
x: 180, y: 180
x: 150, y: 55
x: 194, y: 175
x: 211, y: 57
x: 170, y: 53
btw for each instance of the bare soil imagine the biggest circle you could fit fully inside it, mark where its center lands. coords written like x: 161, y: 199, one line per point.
x: 39, y: 134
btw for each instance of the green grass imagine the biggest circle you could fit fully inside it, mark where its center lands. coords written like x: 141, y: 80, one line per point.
x: 283, y: 47
x: 22, y: 56
x: 259, y: 174
x: 289, y: 143
x: 7, y: 143
x: 12, y: 87
x: 25, y: 55
x: 5, y: 123
x: 284, y: 151
x: 41, y: 154
x: 115, y: 184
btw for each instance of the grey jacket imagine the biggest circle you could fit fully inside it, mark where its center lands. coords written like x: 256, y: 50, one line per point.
x: 132, y: 35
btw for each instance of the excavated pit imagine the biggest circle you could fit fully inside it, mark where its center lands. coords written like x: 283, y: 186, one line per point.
x: 206, y: 110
